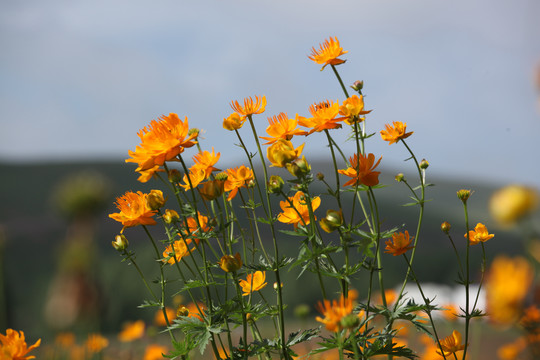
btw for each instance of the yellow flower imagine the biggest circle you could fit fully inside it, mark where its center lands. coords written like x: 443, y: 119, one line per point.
x: 479, y: 234
x: 299, y: 211
x: 253, y: 282
x: 234, y: 122
x: 324, y: 117
x: 283, y: 152
x: 95, y: 343
x: 206, y: 161
x: 229, y: 263
x: 161, y: 141
x: 393, y: 134
x: 352, y: 108
x: 328, y: 53
x: 134, y: 210
x: 281, y: 127
x: 196, y: 176
x: 13, y: 346
x: 507, y: 283
x: 159, y: 318
x: 513, y: 202
x: 250, y: 107
x: 237, y: 178
x: 132, y: 331
x: 361, y: 170
x: 180, y: 250
x: 155, y: 199
x: 170, y: 216
x: 334, y: 311
x: 451, y: 344
x: 146, y: 175
x: 193, y: 230
x: 400, y: 244
x: 154, y: 352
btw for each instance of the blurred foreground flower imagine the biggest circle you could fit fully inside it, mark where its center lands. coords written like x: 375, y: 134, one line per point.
x: 132, y: 331
x: 13, y: 346
x: 513, y: 202
x: 335, y: 311
x: 154, y: 352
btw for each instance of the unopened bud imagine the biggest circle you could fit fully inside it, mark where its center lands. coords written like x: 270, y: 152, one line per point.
x: 229, y: 263
x: 222, y: 176
x: 251, y: 183
x: 298, y: 167
x: 332, y: 221
x: 350, y: 321
x: 320, y: 176
x: 424, y: 164
x: 275, y: 184
x: 445, y: 227
x: 155, y: 199
x: 212, y: 189
x: 464, y: 195
x: 194, y: 131
x: 174, y: 176
x: 170, y: 216
x: 120, y: 243
x: 358, y: 85
x: 182, y: 311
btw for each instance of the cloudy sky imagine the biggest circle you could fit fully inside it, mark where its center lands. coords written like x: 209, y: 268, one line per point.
x: 79, y: 79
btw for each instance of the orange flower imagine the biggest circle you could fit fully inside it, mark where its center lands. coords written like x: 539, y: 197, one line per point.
x: 250, y: 107
x: 328, y: 53
x: 134, y: 210
x: 234, y: 122
x: 180, y: 250
x: 253, y: 282
x: 196, y: 310
x: 14, y: 347
x: 154, y: 352
x: 159, y: 318
x: 324, y: 117
x: 352, y: 108
x: 281, y: 127
x: 361, y: 170
x: 237, y: 178
x: 193, y: 226
x: 299, y: 211
x: 146, y: 175
x: 334, y: 311
x: 95, y: 343
x: 206, y: 161
x: 479, y: 234
x: 399, y: 244
x: 196, y: 176
x: 282, y: 152
x: 161, y: 141
x: 451, y: 344
x: 65, y: 339
x: 393, y: 134
x: 132, y: 331
x: 512, y: 203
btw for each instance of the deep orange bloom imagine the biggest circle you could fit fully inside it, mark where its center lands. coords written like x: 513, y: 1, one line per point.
x: 253, y: 282
x: 281, y: 127
x: 334, y: 311
x: 237, y: 178
x: 206, y: 161
x: 299, y: 211
x: 361, y: 170
x: 132, y: 331
x: 234, y: 122
x: 250, y: 107
x: 479, y: 234
x: 451, y: 344
x: 134, y: 210
x: 193, y: 310
x: 13, y: 346
x: 282, y: 152
x: 155, y: 352
x: 180, y: 250
x: 400, y: 244
x: 324, y: 117
x: 193, y: 226
x: 393, y: 134
x: 146, y: 175
x: 352, y: 108
x: 328, y: 53
x: 196, y: 176
x: 159, y: 318
x: 161, y: 141
x: 95, y: 343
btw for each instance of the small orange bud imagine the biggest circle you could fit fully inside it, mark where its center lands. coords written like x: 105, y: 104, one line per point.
x: 212, y: 189
x: 174, y: 176
x: 332, y: 221
x: 229, y: 263
x: 400, y: 177
x: 170, y: 216
x: 155, y: 199
x: 445, y: 227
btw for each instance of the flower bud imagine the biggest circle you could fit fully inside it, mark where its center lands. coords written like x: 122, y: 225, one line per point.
x: 445, y: 227
x: 182, y: 311
x: 251, y: 183
x: 194, y: 131
x: 358, y: 85
x: 249, y: 317
x: 332, y: 221
x: 222, y: 176
x: 320, y: 176
x: 212, y: 189
x: 233, y: 122
x: 120, y: 243
x: 174, y: 176
x: 276, y: 286
x: 275, y: 184
x: 464, y: 195
x: 350, y: 321
x: 424, y: 164
x: 170, y: 216
x: 229, y: 263
x: 155, y: 199
x: 299, y: 167
x: 400, y: 177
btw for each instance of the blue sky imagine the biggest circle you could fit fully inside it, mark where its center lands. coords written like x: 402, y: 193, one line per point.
x: 79, y: 79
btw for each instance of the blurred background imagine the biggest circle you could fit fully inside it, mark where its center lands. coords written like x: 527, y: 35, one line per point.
x: 79, y: 79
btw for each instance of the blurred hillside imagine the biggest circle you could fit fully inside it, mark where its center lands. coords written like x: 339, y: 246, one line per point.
x: 35, y: 231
